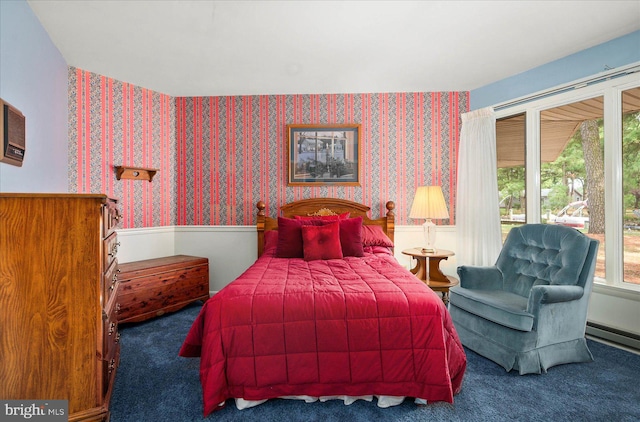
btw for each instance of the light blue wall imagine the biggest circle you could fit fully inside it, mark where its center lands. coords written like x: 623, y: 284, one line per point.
x: 615, y: 53
x: 33, y: 79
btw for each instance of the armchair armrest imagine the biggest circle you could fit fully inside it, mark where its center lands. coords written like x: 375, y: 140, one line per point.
x: 541, y: 295
x: 484, y: 278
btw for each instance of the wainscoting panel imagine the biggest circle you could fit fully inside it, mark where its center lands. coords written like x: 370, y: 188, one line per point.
x: 147, y: 243
x: 232, y: 249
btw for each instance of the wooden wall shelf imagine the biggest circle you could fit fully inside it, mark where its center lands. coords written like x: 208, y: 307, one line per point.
x: 135, y: 173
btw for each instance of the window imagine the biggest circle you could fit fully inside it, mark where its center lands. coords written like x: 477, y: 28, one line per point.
x: 510, y: 151
x: 572, y: 169
x: 631, y: 184
x: 580, y: 168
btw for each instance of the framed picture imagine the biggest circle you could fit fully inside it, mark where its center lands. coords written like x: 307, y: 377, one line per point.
x: 324, y: 154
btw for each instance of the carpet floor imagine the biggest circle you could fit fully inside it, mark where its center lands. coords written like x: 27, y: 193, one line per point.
x: 154, y: 384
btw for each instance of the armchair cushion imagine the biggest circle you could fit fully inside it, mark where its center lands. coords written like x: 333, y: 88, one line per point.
x: 540, y: 254
x: 554, y: 294
x: 504, y: 308
x: 485, y: 278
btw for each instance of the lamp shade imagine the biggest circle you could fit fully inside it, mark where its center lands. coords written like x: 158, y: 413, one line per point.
x: 429, y: 203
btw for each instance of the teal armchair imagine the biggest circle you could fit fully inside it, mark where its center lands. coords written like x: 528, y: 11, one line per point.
x: 529, y: 311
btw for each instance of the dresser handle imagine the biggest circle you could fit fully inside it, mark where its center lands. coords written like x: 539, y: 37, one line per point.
x: 114, y: 249
x: 112, y: 328
x: 117, y: 338
x: 118, y: 308
x: 112, y: 365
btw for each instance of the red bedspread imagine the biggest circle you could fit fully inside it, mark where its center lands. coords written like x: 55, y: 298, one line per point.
x: 356, y: 326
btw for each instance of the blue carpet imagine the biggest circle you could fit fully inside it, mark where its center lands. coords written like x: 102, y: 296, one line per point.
x: 154, y: 384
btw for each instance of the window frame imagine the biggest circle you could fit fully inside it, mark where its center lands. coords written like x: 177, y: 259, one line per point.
x: 611, y: 90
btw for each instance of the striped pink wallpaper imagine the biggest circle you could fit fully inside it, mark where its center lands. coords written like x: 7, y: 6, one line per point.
x: 218, y: 156
x: 112, y: 123
x: 232, y: 151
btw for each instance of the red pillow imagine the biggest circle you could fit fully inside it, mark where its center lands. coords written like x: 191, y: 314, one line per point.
x: 321, y: 242
x: 351, y: 237
x: 270, y: 241
x: 336, y: 217
x: 375, y: 236
x: 290, y: 236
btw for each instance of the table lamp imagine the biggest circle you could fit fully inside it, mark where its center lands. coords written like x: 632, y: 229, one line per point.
x: 428, y: 204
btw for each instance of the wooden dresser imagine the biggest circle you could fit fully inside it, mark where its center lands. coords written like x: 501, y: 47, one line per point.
x: 58, y: 289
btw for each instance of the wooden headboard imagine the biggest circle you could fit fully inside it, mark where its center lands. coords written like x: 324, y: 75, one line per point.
x: 323, y: 206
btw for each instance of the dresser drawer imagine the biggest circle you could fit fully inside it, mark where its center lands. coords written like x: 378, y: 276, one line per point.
x: 109, y: 281
x: 110, y: 249
x: 150, y: 288
x: 109, y: 372
x: 110, y: 347
x: 111, y: 217
x: 111, y: 338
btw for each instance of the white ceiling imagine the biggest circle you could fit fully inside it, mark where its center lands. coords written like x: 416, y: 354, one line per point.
x: 202, y: 48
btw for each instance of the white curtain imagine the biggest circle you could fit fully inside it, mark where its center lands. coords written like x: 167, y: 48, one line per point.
x: 479, y: 238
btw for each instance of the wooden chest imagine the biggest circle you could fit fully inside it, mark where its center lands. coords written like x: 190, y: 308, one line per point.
x: 152, y: 287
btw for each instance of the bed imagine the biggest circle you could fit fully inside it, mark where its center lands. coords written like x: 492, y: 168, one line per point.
x: 321, y: 323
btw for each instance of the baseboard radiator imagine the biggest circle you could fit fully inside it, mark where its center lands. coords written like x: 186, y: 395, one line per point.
x: 613, y: 335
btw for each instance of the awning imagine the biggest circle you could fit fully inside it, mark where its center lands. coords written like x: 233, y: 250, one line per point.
x: 558, y: 125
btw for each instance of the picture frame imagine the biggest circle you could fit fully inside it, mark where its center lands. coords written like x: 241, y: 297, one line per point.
x: 323, y: 154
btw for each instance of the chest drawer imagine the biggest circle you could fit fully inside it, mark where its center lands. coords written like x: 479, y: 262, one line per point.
x: 152, y: 287
x: 111, y: 338
x: 110, y: 249
x: 110, y: 341
x: 110, y: 217
x: 109, y: 281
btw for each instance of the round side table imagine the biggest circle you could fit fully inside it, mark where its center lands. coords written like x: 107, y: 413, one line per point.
x: 431, y: 274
